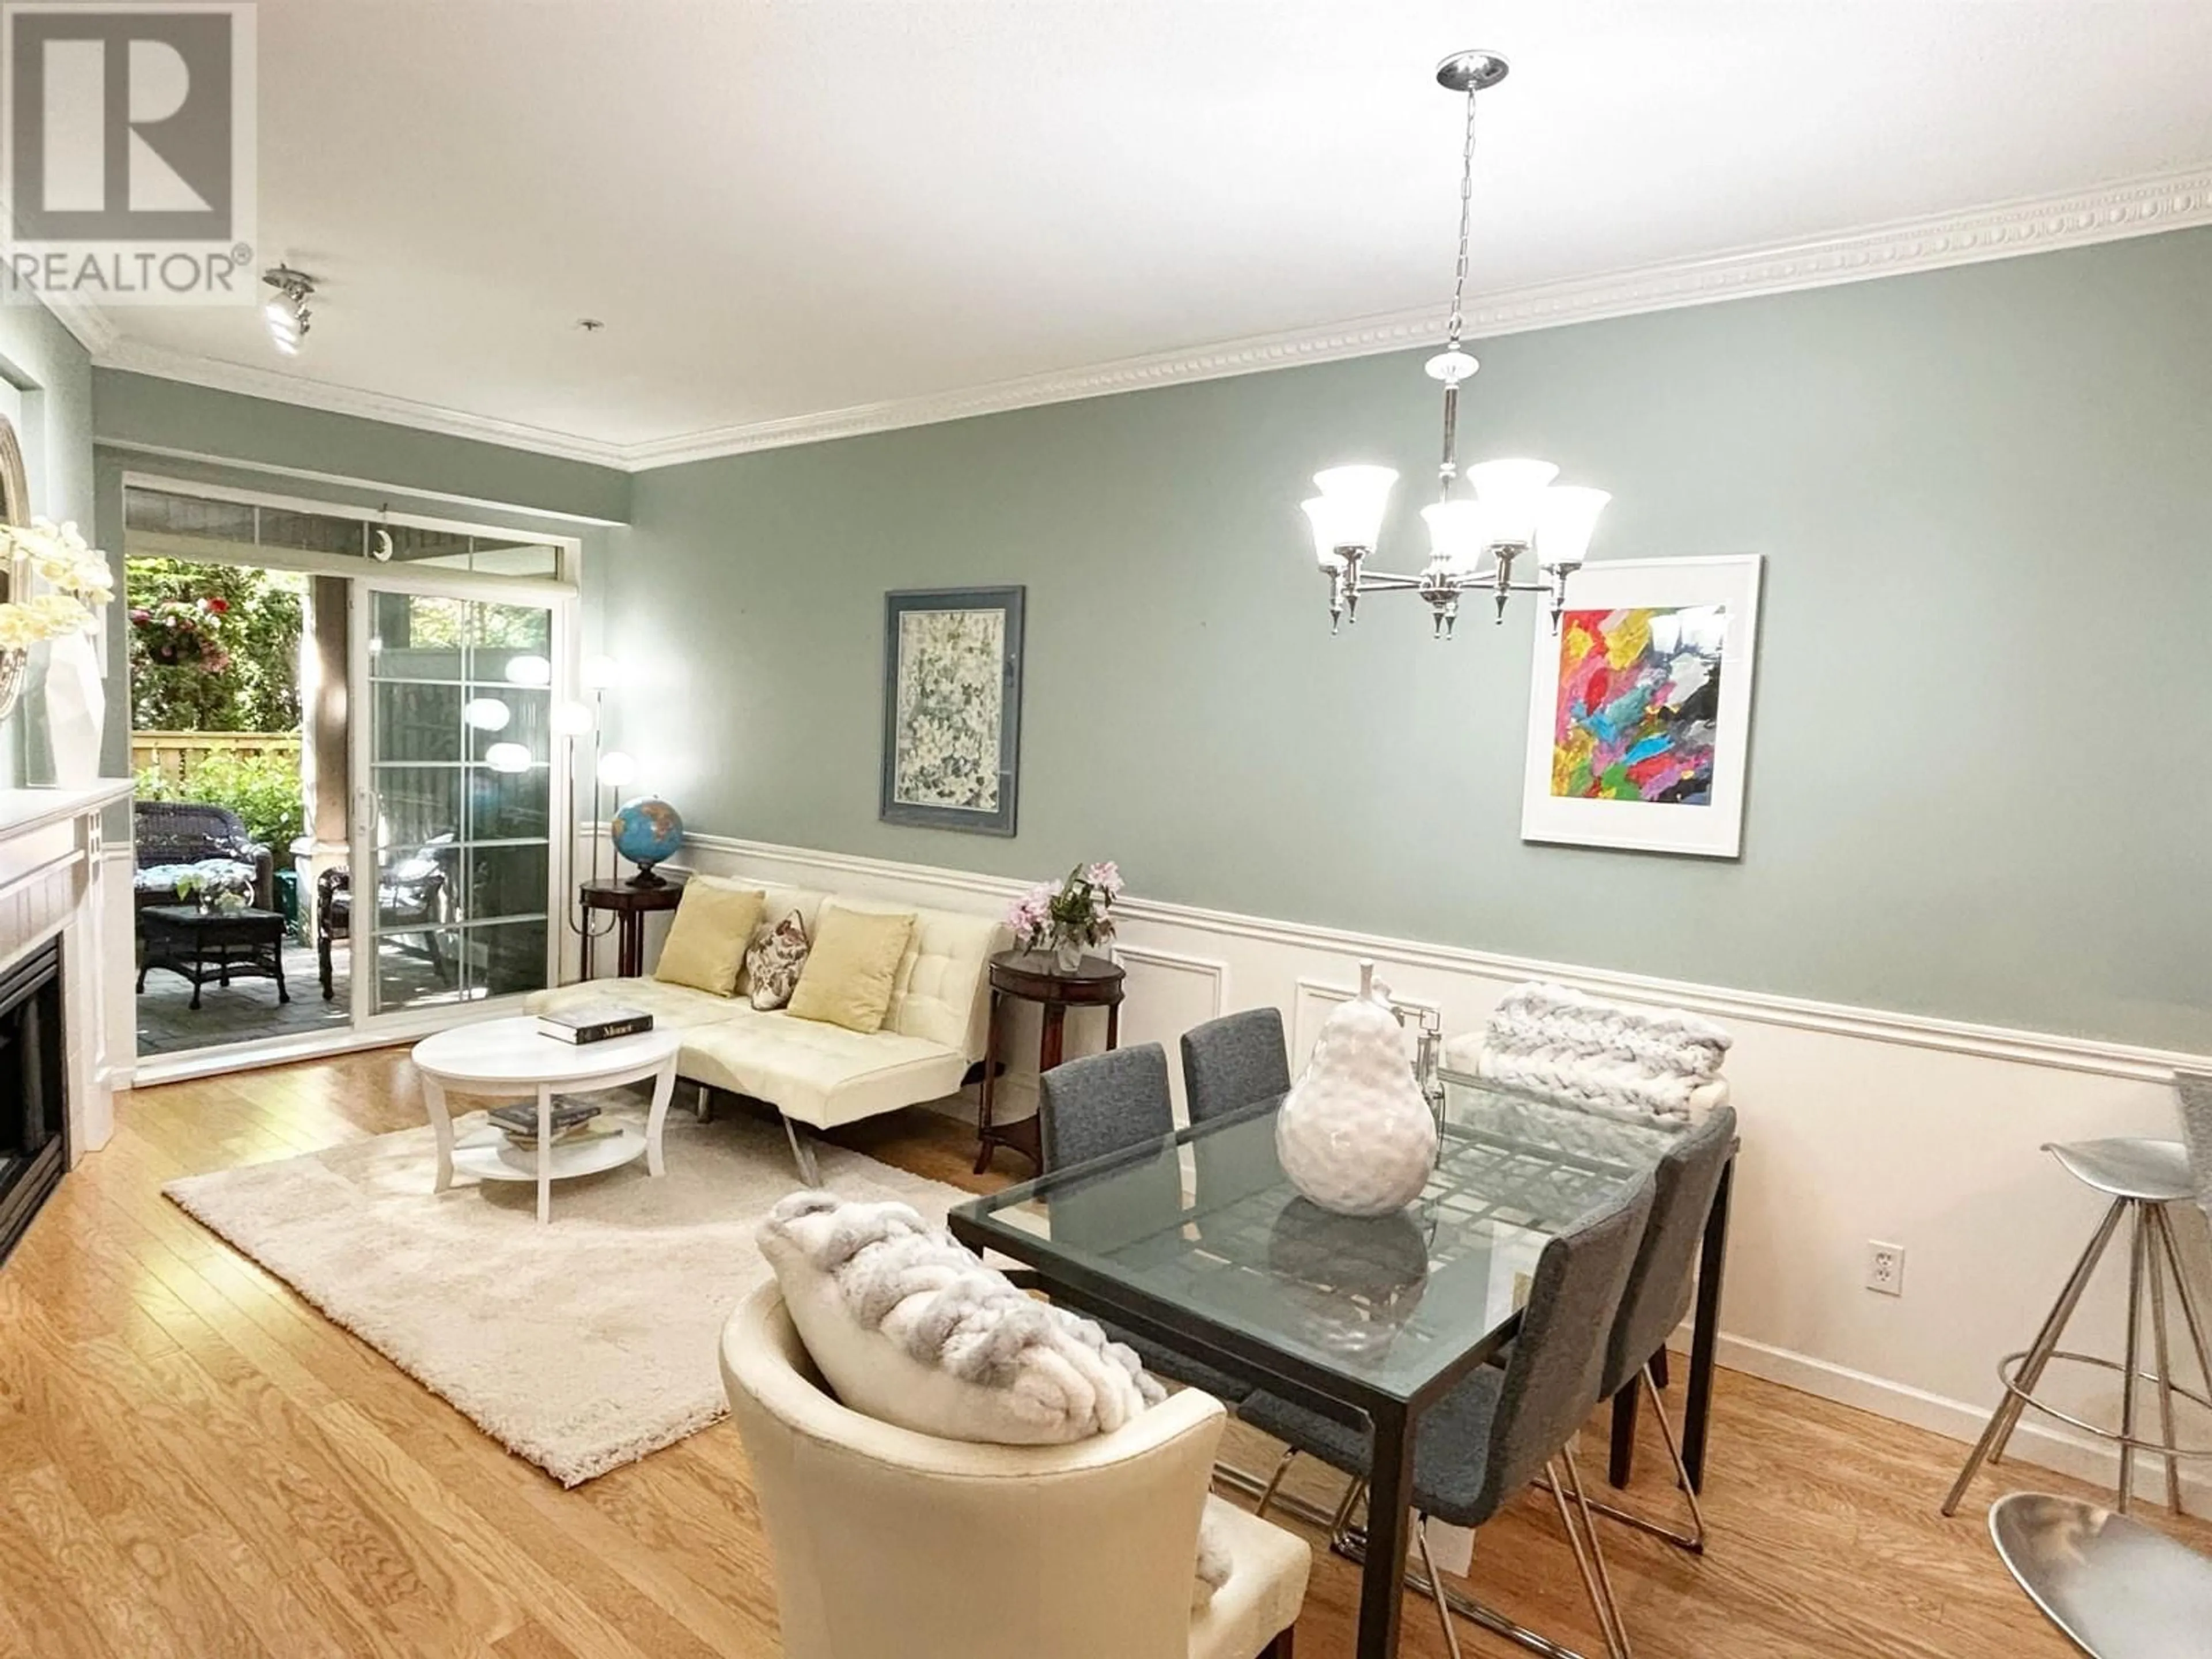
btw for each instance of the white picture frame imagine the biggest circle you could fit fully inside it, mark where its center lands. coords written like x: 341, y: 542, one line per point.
x: 1569, y: 788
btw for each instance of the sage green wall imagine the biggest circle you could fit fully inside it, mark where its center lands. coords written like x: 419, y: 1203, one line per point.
x: 138, y: 411
x: 1978, y: 783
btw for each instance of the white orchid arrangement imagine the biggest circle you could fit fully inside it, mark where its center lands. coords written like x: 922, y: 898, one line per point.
x: 78, y: 571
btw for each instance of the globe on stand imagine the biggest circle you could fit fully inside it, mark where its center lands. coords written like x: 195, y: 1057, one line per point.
x: 646, y: 832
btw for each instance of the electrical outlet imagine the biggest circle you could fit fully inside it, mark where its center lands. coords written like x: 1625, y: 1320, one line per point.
x: 1885, y: 1268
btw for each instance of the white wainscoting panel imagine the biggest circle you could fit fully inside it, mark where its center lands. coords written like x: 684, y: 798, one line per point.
x: 1168, y: 993
x: 1318, y: 998
x: 1858, y: 1124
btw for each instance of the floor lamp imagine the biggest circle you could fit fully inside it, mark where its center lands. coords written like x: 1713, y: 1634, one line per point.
x: 610, y: 769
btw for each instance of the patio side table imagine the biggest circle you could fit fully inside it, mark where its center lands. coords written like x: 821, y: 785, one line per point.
x: 202, y: 945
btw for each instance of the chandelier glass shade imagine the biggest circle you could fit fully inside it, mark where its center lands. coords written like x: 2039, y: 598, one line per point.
x: 286, y: 310
x: 1516, y: 514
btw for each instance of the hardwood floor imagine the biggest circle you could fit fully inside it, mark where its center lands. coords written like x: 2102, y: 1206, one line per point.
x: 194, y: 1462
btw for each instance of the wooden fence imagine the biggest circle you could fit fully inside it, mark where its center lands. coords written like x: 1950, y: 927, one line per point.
x: 174, y: 754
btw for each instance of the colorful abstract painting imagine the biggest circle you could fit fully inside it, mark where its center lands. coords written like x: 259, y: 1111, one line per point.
x: 1639, y: 708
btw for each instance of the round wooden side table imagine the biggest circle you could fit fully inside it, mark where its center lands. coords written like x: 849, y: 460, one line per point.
x: 1033, y: 976
x: 631, y: 905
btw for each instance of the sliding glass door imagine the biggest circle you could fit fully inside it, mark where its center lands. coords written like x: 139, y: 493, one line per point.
x: 356, y: 708
x: 457, y: 800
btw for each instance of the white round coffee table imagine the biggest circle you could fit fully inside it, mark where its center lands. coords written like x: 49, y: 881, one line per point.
x: 510, y: 1060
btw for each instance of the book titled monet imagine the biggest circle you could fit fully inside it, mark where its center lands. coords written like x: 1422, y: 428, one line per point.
x: 594, y: 1021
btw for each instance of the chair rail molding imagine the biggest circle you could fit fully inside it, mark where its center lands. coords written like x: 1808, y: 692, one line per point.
x: 811, y: 866
x: 2143, y: 206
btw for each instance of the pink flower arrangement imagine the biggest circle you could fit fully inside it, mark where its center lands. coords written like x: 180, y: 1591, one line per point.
x: 1077, y: 911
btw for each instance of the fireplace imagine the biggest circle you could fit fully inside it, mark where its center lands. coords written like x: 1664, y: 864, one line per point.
x: 33, y: 1089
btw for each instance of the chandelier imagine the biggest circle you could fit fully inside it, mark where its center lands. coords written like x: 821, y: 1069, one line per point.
x: 1516, y: 512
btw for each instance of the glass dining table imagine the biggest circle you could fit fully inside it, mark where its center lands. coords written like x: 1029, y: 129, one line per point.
x: 1198, y: 1241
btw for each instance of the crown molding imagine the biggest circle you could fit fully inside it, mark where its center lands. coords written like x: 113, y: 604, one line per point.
x: 2138, y: 207
x: 159, y: 361
x: 93, y: 329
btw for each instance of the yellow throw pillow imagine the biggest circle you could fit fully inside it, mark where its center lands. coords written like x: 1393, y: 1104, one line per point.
x: 714, y: 922
x: 849, y: 973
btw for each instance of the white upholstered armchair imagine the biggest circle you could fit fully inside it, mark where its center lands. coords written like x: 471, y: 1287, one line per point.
x: 893, y: 1543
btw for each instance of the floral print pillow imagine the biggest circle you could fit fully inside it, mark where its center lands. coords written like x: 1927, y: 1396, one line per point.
x: 773, y: 962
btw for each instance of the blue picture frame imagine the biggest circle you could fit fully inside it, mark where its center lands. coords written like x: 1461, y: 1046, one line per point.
x: 952, y: 705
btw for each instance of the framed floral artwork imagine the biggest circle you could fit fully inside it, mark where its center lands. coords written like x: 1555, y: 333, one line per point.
x: 1639, y: 707
x: 952, y: 707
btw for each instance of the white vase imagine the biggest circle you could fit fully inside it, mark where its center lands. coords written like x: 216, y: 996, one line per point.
x: 1355, y: 1136
x: 76, y: 709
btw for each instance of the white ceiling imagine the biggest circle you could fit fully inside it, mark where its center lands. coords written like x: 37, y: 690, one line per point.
x: 785, y: 209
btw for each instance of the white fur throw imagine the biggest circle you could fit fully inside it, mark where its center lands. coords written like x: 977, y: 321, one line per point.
x: 1215, y: 1561
x: 1604, y: 1057
x: 906, y: 1325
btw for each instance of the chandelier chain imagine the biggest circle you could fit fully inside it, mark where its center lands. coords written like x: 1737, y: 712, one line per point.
x: 1466, y: 222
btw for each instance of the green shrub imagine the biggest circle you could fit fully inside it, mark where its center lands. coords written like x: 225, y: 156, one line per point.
x: 263, y: 790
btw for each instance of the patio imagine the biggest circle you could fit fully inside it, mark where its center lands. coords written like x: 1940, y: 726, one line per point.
x: 247, y: 1009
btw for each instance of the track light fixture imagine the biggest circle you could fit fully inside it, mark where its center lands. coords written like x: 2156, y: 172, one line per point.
x: 286, y: 310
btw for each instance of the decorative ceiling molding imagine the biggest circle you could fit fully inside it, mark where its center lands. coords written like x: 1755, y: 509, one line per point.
x: 2139, y: 207
x: 162, y: 363
x: 94, y: 331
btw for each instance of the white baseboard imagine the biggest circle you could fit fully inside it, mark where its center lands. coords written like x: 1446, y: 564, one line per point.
x: 2038, y: 1441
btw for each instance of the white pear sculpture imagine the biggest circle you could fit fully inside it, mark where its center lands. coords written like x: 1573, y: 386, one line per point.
x: 1355, y: 1136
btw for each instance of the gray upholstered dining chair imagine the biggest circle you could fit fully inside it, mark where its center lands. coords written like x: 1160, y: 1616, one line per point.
x: 1501, y: 1427
x: 1104, y: 1103
x: 1661, y: 1285
x: 1112, y: 1102
x: 1234, y: 1061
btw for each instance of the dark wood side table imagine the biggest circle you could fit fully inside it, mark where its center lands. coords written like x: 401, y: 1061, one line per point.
x: 1033, y: 976
x: 631, y: 905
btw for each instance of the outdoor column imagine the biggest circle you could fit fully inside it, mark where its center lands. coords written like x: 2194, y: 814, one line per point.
x: 324, y: 761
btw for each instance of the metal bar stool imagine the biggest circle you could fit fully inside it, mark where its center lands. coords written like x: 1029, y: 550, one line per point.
x: 2142, y: 1177
x: 2119, y: 1589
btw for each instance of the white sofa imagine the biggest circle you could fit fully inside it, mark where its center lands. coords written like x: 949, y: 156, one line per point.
x: 817, y: 1074
x: 893, y: 1545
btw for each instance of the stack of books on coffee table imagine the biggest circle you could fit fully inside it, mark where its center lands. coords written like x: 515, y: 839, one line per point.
x: 519, y: 1121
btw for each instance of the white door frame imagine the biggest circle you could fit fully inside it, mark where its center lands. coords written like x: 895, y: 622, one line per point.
x: 559, y: 594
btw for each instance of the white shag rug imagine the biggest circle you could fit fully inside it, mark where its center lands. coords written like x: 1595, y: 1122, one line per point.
x: 582, y: 1345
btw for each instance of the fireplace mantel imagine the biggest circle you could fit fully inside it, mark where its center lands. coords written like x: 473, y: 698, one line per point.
x: 51, y: 884
x: 23, y: 811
